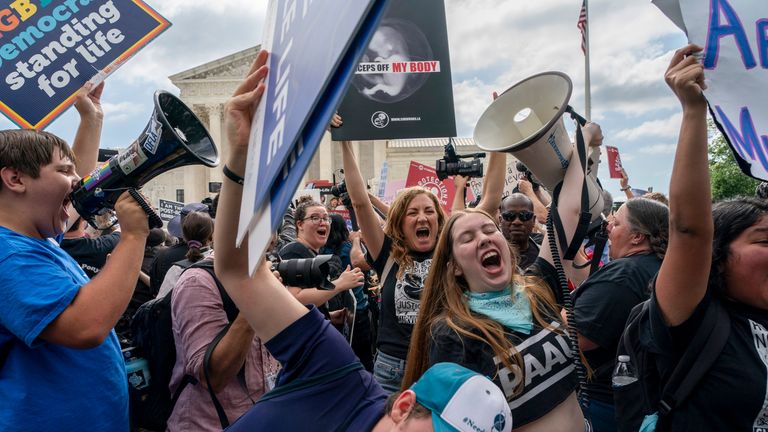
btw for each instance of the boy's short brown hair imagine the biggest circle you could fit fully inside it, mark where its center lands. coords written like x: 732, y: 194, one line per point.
x: 27, y: 150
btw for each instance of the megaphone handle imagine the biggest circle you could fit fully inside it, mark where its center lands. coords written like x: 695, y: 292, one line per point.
x: 574, y: 115
x: 154, y: 218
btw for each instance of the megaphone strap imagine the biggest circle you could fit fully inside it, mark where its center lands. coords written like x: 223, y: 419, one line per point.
x: 571, y: 246
x: 574, y: 115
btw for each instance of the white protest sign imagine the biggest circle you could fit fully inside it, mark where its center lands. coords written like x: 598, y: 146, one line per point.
x: 734, y: 34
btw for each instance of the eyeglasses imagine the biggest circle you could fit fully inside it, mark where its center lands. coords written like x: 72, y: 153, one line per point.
x: 318, y: 219
x: 524, y: 216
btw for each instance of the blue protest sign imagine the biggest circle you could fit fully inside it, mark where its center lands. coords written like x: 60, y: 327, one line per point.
x: 50, y: 49
x: 313, y: 52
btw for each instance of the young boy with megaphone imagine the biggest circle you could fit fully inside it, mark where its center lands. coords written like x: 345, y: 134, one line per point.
x: 60, y: 359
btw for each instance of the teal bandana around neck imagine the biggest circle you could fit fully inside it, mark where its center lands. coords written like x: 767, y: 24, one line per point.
x: 513, y: 310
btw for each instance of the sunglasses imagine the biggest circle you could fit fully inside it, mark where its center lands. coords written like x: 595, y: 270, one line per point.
x: 524, y: 216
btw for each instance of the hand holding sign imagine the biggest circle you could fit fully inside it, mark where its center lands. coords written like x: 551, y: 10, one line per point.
x: 88, y: 101
x: 52, y: 48
x: 238, y: 112
x: 685, y: 76
x: 614, y: 162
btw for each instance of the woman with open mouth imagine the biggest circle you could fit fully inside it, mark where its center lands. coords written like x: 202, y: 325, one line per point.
x: 479, y: 312
x: 312, y: 229
x: 401, y: 253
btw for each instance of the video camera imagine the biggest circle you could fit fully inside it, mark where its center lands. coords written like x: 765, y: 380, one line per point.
x: 451, y: 163
x: 306, y: 272
x: 528, y: 175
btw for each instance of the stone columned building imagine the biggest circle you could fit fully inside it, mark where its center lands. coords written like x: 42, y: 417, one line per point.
x: 206, y: 88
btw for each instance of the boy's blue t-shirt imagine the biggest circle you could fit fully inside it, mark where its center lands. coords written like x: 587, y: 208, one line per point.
x: 310, y: 350
x: 45, y: 386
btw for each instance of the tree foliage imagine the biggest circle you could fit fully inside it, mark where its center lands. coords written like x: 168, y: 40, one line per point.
x: 726, y: 178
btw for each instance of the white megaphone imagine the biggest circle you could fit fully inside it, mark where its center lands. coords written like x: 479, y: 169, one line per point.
x: 527, y: 121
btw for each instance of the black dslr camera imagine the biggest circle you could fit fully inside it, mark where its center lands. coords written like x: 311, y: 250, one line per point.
x: 452, y: 163
x: 305, y: 272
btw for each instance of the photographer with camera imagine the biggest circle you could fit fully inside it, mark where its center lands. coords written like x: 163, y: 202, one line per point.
x: 312, y: 230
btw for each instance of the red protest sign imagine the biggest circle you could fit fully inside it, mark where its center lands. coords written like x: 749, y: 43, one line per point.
x: 426, y: 177
x: 614, y: 162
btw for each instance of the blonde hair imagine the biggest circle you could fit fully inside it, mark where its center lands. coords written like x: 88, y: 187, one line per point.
x: 443, y: 300
x: 393, y: 227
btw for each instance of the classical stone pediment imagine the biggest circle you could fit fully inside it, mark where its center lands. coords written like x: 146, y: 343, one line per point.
x: 213, y: 82
x: 233, y: 66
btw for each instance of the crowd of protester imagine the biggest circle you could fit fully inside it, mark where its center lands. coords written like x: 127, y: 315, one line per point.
x: 473, y: 320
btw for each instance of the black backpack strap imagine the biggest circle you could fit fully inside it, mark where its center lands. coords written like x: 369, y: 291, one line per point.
x: 185, y: 380
x: 184, y: 264
x: 706, y: 346
x: 207, y: 371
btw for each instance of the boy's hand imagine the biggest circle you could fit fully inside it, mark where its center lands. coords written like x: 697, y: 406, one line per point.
x: 132, y: 218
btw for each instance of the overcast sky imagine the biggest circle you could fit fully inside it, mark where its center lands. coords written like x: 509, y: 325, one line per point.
x: 493, y: 44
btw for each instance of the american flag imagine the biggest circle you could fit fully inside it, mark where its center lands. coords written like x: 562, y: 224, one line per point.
x: 582, y: 25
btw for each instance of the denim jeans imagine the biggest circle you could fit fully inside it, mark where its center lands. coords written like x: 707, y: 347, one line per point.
x: 388, y: 371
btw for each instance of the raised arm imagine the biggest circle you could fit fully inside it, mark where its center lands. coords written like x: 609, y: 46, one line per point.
x: 682, y: 280
x: 569, y: 206
x: 379, y: 204
x: 460, y: 195
x: 493, y: 185
x: 625, y: 187
x: 266, y: 304
x: 373, y: 233
x: 88, y: 135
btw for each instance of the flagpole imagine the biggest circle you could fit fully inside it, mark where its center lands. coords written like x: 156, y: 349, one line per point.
x: 587, y: 86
